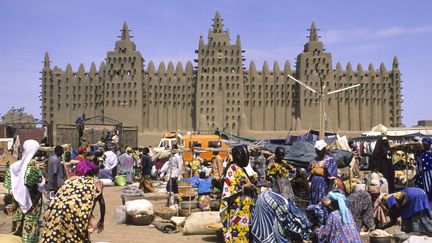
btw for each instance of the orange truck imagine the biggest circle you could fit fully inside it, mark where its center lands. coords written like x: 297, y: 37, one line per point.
x: 201, y: 142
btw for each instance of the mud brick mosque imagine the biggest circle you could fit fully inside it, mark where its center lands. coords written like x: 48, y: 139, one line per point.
x: 216, y: 90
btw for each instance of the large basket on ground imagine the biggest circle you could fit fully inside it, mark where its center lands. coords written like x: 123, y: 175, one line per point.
x: 188, y: 204
x: 140, y: 219
x: 185, y: 212
x: 165, y: 212
x: 185, y: 188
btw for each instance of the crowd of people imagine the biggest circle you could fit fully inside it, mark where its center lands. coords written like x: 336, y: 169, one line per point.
x: 263, y: 206
x: 72, y: 183
x: 259, y: 194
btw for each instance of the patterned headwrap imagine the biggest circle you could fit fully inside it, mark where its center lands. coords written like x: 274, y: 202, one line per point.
x: 427, y: 141
x: 86, y: 168
x: 340, y: 199
x: 318, y: 211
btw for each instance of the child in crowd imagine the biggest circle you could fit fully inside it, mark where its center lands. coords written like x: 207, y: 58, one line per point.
x: 204, y: 188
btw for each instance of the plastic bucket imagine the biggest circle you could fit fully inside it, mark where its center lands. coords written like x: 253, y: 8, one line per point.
x: 120, y: 180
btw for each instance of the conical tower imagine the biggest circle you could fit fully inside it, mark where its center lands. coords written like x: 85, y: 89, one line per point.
x: 219, y: 95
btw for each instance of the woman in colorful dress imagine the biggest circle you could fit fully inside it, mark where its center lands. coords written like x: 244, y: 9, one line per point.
x: 323, y: 171
x: 424, y: 168
x: 340, y: 225
x: 278, y: 172
x: 237, y: 198
x: 69, y: 216
x: 412, y: 205
x: 25, y: 181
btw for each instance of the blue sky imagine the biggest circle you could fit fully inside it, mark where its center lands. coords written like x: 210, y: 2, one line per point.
x: 82, y: 31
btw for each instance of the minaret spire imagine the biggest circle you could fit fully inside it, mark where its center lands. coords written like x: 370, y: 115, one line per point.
x: 313, y: 33
x: 46, y: 60
x: 395, y: 62
x: 125, y: 32
x: 217, y: 23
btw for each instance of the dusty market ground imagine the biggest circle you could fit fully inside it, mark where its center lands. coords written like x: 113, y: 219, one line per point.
x: 120, y: 233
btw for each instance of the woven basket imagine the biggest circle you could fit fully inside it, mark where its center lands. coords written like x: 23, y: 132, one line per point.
x: 188, y: 204
x: 185, y: 212
x: 185, y: 190
x: 165, y: 212
x: 140, y: 219
x: 215, y: 203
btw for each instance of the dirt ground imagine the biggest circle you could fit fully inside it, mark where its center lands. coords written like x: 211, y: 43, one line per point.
x: 120, y: 233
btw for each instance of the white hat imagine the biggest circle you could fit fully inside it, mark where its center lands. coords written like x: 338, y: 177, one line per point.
x: 320, y: 144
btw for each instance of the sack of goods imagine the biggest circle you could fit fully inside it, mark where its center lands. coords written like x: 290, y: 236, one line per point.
x: 196, y: 223
x: 107, y: 182
x: 139, y: 212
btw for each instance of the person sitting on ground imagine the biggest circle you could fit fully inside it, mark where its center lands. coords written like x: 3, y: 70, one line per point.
x: 204, y: 189
x: 340, y: 225
x: 109, y: 167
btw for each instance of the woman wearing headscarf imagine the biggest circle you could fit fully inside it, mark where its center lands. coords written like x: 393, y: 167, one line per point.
x: 323, y: 171
x: 381, y: 161
x: 69, y: 216
x: 25, y: 181
x: 340, y: 226
x: 276, y: 219
x: 237, y: 198
x: 81, y: 151
x: 424, y: 168
x: 412, y: 206
x: 278, y: 172
x: 109, y: 169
